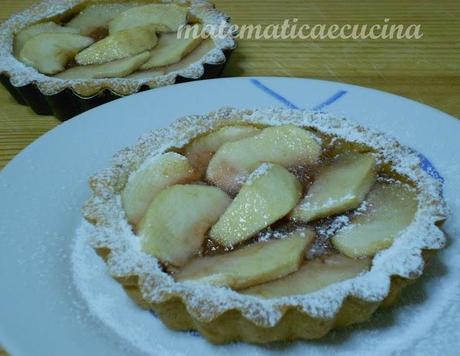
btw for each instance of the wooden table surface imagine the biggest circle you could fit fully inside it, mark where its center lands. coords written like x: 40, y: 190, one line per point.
x: 426, y: 70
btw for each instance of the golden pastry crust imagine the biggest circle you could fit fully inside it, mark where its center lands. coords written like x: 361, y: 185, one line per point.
x: 232, y: 326
x: 222, y: 315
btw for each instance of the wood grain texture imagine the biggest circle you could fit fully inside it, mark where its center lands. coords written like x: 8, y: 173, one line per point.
x: 426, y: 70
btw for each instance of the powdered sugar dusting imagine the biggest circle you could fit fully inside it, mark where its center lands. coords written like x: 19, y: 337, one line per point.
x: 331, y: 227
x: 206, y: 302
x: 331, y: 202
x: 21, y: 75
x: 258, y: 172
x: 269, y: 234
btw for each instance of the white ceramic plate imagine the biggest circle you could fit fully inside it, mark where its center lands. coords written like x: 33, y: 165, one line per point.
x: 42, y: 312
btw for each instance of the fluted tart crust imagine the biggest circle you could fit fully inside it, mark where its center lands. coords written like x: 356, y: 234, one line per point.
x: 315, y: 267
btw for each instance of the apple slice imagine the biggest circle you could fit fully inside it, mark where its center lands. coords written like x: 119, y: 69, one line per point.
x: 391, y: 208
x: 171, y: 49
x: 176, y: 221
x: 167, y: 17
x: 338, y: 187
x: 201, y: 149
x: 203, y: 49
x: 312, y: 276
x: 50, y: 52
x: 116, y: 69
x: 34, y: 30
x: 268, y: 195
x: 119, y: 45
x: 153, y: 176
x: 288, y: 145
x: 194, y: 56
x: 250, y: 265
x: 97, y: 16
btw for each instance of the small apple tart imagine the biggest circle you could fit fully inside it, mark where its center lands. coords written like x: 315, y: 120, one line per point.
x: 121, y: 46
x: 265, y: 225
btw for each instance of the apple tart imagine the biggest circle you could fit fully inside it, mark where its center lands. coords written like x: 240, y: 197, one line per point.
x: 85, y: 47
x: 264, y: 225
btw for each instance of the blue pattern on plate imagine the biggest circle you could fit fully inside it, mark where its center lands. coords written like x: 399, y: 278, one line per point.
x: 425, y: 164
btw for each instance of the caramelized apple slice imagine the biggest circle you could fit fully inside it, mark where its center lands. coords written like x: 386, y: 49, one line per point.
x: 119, y: 45
x: 176, y: 221
x: 50, y: 52
x: 155, y: 175
x: 115, y: 69
x: 338, y: 187
x: 168, y: 17
x: 250, y: 265
x: 97, y: 16
x: 312, y: 276
x: 288, y: 145
x: 171, y: 49
x: 204, y: 48
x: 391, y: 208
x: 268, y: 195
x: 200, y: 151
x: 194, y: 56
x: 44, y: 27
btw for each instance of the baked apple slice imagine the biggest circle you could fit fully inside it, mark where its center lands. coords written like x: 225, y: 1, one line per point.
x: 97, y: 16
x: 174, y: 227
x: 202, y: 49
x: 288, y: 146
x: 268, y: 194
x: 167, y: 17
x: 34, y: 30
x: 200, y: 150
x: 154, y: 175
x: 171, y: 49
x: 312, y: 276
x: 120, y: 45
x: 338, y: 187
x: 50, y: 52
x: 250, y: 265
x: 115, y: 69
x: 391, y: 208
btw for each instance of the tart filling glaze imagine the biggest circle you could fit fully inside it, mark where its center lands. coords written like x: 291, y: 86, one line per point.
x: 264, y: 225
